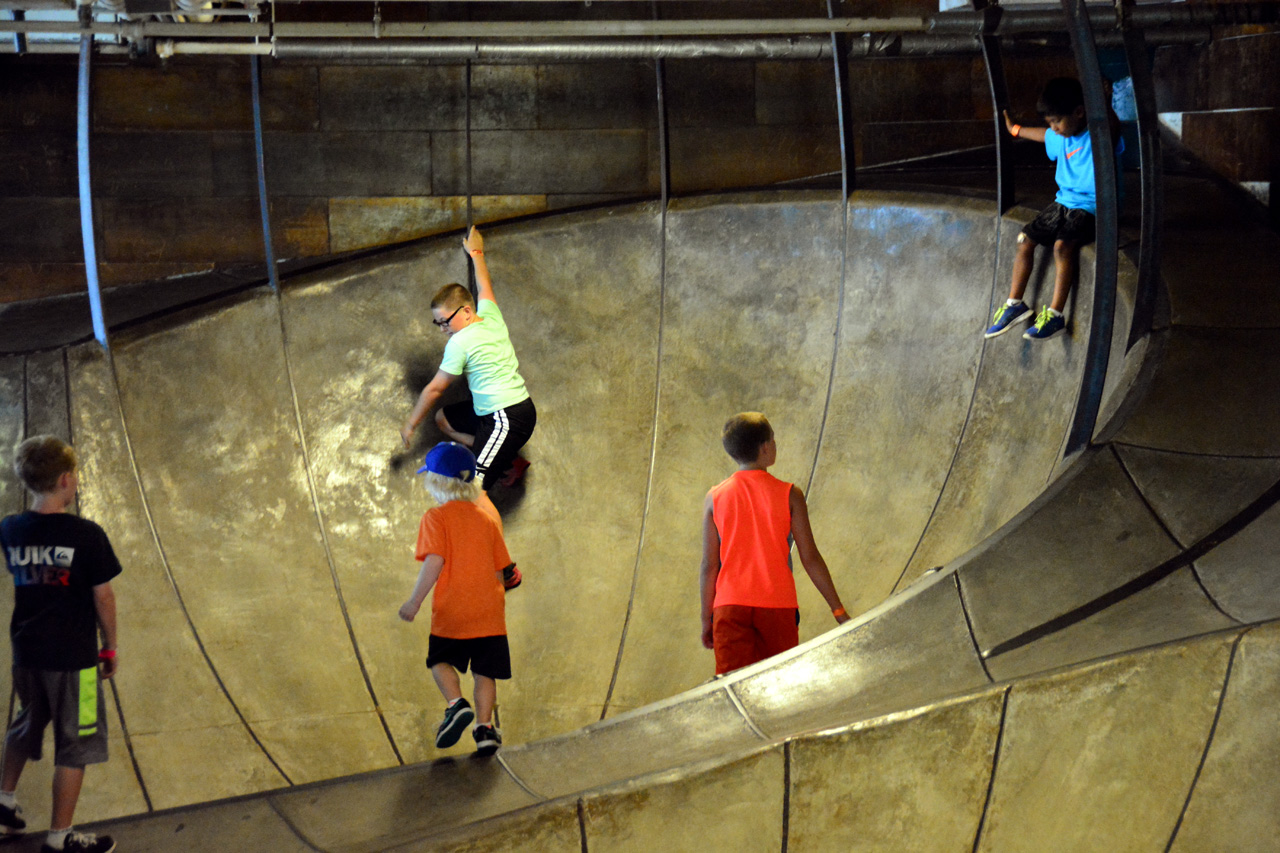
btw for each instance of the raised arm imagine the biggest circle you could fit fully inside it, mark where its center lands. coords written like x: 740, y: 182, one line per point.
x: 1035, y: 134
x: 810, y: 557
x: 710, y: 568
x: 104, y: 604
x: 427, y: 577
x: 474, y: 244
x: 429, y: 397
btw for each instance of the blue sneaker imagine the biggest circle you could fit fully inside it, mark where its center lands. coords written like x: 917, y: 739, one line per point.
x: 1047, y: 325
x: 1006, y: 315
x: 456, y: 719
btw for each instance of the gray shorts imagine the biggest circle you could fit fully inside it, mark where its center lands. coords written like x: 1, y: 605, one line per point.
x: 73, y: 702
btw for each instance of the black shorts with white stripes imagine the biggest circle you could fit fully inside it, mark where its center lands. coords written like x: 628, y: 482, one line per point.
x: 499, y: 436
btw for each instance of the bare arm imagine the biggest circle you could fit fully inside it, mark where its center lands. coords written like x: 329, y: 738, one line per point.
x: 710, y: 568
x: 810, y: 557
x: 474, y: 244
x: 427, y: 577
x: 429, y: 397
x: 104, y: 604
x: 1035, y: 134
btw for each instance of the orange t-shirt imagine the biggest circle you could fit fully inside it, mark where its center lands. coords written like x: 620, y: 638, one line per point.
x: 752, y: 512
x: 468, y: 600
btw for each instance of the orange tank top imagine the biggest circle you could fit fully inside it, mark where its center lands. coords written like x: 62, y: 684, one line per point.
x: 752, y: 512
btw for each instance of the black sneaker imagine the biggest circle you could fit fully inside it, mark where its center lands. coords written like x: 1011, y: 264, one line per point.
x: 456, y: 719
x: 11, y: 819
x: 83, y: 842
x: 488, y: 739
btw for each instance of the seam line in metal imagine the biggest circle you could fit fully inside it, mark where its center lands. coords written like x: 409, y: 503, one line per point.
x: 786, y: 795
x: 128, y: 745
x: 968, y: 415
x: 846, y: 173
x: 1160, y: 521
x: 968, y: 623
x: 653, y: 435
x: 115, y: 693
x: 312, y: 490
x: 1149, y: 578
x: 515, y: 777
x: 287, y: 821
x: 1208, y: 743
x: 168, y: 569
x: 742, y: 709
x: 995, y: 764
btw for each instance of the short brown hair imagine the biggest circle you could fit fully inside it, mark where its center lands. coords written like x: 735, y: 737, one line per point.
x: 41, y: 460
x: 744, y: 434
x: 452, y: 296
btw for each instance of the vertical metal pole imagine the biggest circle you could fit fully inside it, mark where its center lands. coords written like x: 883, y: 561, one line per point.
x: 1098, y: 348
x: 844, y: 108
x: 19, y: 39
x: 1152, y: 173
x: 664, y: 140
x: 993, y: 59
x: 86, y: 191
x: 466, y: 141
x: 259, y: 154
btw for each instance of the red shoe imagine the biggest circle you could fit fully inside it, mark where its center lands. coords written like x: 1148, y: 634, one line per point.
x: 515, y: 472
x: 511, y: 577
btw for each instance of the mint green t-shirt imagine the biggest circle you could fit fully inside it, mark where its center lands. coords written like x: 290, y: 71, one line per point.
x: 483, y: 353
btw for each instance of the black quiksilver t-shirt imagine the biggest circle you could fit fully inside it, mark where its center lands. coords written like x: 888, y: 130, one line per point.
x: 56, y: 560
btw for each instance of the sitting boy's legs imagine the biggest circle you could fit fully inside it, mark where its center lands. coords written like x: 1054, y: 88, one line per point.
x: 743, y: 635
x: 458, y: 421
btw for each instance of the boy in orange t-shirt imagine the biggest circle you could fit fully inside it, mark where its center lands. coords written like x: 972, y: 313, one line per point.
x: 749, y: 608
x: 463, y: 555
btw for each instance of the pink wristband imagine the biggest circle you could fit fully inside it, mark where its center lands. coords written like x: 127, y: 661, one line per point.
x: 107, y: 654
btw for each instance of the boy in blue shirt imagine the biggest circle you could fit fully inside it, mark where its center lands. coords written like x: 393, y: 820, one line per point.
x: 1066, y: 224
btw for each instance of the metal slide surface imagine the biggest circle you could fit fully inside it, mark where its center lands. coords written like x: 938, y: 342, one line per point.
x: 1091, y: 667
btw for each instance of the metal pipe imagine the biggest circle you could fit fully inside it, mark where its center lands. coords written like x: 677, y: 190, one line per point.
x: 86, y: 191
x: 1146, y: 16
x: 19, y: 39
x: 1097, y: 350
x: 558, y: 51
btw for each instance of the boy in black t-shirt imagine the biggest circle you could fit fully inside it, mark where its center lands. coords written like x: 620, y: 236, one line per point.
x: 62, y: 566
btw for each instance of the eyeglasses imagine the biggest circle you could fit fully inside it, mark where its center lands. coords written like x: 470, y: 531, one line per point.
x: 444, y: 324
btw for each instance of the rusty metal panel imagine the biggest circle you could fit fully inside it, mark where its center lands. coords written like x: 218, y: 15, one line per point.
x: 356, y: 223
x: 545, y: 161
x: 196, y: 229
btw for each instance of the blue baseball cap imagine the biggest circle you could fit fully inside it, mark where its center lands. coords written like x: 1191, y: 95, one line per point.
x: 450, y: 459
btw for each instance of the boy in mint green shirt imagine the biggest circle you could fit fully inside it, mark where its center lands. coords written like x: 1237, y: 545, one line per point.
x: 501, y: 416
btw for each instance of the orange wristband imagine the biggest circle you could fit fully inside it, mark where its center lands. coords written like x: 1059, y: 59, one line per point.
x: 838, y: 612
x: 1015, y: 130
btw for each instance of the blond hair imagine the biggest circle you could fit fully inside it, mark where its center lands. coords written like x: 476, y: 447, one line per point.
x: 452, y: 296
x: 444, y: 489
x: 41, y: 460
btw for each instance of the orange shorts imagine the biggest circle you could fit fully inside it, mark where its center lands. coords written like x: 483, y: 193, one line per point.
x: 744, y: 635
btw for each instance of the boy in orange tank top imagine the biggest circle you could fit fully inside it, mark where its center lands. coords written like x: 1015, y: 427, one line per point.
x: 749, y: 609
x: 463, y: 556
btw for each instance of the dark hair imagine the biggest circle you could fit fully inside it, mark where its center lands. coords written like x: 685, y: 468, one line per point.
x: 1060, y: 97
x: 41, y: 460
x: 744, y: 434
x: 452, y: 296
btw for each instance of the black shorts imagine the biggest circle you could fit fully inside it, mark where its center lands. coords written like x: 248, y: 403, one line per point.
x: 487, y: 656
x: 1056, y: 222
x: 499, y: 436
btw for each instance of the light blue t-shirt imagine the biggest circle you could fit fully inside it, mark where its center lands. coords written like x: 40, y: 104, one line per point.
x: 483, y: 353
x: 1074, y: 156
